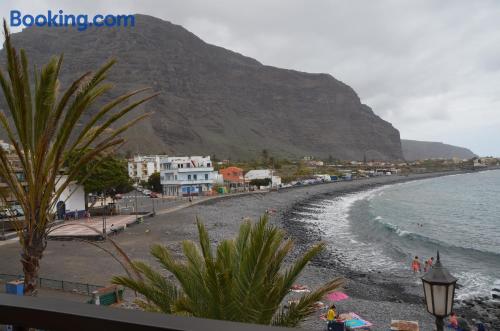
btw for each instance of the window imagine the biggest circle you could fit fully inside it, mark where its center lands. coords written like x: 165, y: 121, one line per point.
x: 206, y: 176
x: 188, y: 165
x: 195, y: 177
x: 189, y: 177
x: 208, y: 164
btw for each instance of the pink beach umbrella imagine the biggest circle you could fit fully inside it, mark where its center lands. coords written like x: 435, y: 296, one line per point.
x: 336, y: 296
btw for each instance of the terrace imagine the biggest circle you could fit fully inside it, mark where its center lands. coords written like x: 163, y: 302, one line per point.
x: 52, y: 314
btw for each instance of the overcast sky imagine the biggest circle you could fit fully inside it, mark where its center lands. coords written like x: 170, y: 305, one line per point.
x: 431, y: 68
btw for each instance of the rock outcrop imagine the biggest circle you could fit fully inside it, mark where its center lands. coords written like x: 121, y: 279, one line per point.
x: 421, y: 150
x: 215, y: 101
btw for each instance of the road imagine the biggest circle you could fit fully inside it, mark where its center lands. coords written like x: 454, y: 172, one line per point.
x: 147, y: 204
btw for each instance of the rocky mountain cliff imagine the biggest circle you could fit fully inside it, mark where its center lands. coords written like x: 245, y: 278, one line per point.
x: 421, y: 150
x: 215, y: 101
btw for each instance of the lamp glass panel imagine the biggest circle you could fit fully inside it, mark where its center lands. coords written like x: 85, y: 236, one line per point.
x: 440, y: 298
x: 428, y: 297
x: 449, y: 303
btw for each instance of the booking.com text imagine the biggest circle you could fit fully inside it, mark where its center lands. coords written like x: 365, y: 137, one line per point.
x: 60, y: 19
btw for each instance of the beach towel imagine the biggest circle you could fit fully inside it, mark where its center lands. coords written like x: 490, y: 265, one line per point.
x: 356, y: 322
x: 336, y: 296
x: 398, y: 325
x: 299, y: 288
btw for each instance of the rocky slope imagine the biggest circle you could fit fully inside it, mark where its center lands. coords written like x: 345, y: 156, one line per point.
x: 421, y: 150
x: 215, y: 101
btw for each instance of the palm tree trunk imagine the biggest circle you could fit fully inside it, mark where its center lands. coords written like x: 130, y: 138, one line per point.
x: 30, y: 259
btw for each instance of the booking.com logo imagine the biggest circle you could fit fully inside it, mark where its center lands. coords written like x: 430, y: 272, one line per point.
x: 60, y: 19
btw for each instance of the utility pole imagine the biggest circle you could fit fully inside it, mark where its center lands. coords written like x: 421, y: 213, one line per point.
x: 103, y: 216
x: 136, y: 215
x: 153, y: 200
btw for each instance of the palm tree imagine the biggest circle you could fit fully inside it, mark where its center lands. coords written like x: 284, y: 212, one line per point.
x: 40, y: 125
x: 244, y: 280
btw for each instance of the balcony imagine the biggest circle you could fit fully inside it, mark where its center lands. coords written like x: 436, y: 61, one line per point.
x: 187, y: 182
x: 192, y: 169
x: 54, y: 315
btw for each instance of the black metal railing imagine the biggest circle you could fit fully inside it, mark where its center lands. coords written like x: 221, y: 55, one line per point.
x: 52, y: 314
x: 56, y: 284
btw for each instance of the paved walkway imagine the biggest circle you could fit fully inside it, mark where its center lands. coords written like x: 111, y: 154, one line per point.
x: 92, y: 227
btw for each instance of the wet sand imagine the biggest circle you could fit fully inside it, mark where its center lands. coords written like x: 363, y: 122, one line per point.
x: 375, y: 296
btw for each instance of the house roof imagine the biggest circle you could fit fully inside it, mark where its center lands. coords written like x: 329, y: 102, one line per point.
x: 261, y: 173
x: 231, y: 169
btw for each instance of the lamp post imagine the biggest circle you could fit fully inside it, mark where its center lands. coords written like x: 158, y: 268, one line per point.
x: 153, y: 201
x: 136, y: 186
x: 439, y: 292
x: 103, y: 216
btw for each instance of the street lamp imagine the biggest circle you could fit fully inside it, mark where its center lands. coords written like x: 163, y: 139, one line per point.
x: 439, y: 292
x: 103, y: 217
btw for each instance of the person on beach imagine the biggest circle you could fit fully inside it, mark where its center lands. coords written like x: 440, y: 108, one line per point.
x: 453, y: 321
x: 428, y: 264
x: 463, y: 325
x: 479, y: 325
x: 416, y: 265
x: 330, y: 316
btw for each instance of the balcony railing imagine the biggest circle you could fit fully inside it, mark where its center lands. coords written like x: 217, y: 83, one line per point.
x: 54, y: 315
x: 191, y: 169
x: 187, y: 182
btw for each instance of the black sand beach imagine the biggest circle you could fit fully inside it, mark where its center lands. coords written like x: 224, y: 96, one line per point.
x: 378, y: 297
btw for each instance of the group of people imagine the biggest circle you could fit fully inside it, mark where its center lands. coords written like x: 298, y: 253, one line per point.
x: 459, y: 323
x: 416, y: 265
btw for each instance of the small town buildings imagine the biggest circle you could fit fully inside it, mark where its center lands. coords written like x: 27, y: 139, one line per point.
x: 479, y: 163
x: 314, y: 163
x: 143, y: 166
x: 72, y: 202
x: 233, y: 178
x: 187, y: 175
x: 263, y: 174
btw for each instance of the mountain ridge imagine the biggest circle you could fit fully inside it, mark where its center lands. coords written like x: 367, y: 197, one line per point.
x: 217, y: 101
x: 421, y: 150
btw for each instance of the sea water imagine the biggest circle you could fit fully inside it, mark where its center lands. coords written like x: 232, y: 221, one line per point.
x: 384, y: 228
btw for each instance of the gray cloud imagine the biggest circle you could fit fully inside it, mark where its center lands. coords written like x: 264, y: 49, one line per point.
x: 429, y: 67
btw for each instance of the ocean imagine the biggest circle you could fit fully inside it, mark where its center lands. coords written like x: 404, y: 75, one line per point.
x: 382, y: 229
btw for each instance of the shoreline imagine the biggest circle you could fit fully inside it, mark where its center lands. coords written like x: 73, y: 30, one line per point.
x: 377, y: 286
x: 375, y: 296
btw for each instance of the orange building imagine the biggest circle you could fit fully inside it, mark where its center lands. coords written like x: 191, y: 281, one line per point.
x: 233, y: 176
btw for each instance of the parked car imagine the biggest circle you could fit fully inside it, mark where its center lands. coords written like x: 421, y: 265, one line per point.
x: 146, y: 192
x: 118, y: 196
x: 18, y: 210
x: 7, y: 212
x: 153, y: 195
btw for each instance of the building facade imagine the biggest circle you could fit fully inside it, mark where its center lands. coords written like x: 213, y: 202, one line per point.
x: 72, y: 202
x: 263, y: 174
x: 187, y: 175
x: 143, y: 166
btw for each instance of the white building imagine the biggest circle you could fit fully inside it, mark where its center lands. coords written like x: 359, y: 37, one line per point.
x: 263, y: 174
x: 71, y: 202
x: 143, y: 166
x: 187, y: 175
x: 5, y: 146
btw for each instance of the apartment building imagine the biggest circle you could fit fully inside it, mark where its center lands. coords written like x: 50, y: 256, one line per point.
x: 143, y: 166
x: 187, y: 175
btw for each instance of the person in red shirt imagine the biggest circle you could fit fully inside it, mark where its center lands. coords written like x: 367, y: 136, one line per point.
x: 416, y: 266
